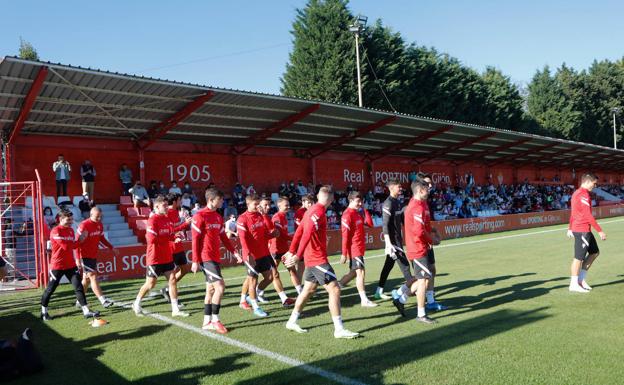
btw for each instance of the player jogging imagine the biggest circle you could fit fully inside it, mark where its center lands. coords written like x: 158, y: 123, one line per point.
x: 254, y: 238
x: 208, y: 234
x: 354, y: 245
x: 418, y: 242
x: 90, y: 235
x: 306, y: 202
x: 159, y: 257
x: 179, y: 255
x: 392, y: 228
x: 318, y: 271
x: 279, y: 244
x: 585, y: 246
x: 63, y: 263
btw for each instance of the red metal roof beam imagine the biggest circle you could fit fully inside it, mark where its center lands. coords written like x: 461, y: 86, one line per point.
x: 273, y: 129
x: 31, y: 96
x: 456, y: 146
x: 484, y: 153
x: 161, y: 129
x: 376, y: 155
x: 551, y: 154
x: 337, y: 142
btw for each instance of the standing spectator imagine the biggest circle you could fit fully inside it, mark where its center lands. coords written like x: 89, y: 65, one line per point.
x: 125, y: 176
x: 152, y: 191
x: 88, y: 178
x: 139, y: 195
x: 174, y: 189
x: 62, y: 170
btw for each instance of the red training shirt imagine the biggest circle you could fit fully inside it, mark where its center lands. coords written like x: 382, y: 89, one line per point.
x: 417, y: 221
x: 353, y: 235
x: 63, y: 242
x: 208, y: 234
x: 254, y: 235
x: 178, y: 225
x: 279, y: 245
x: 581, y: 217
x: 159, y: 235
x: 299, y: 216
x: 95, y: 235
x: 313, y: 241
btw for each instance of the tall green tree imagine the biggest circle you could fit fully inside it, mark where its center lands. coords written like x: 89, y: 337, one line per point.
x: 503, y: 101
x: 322, y: 62
x: 27, y: 51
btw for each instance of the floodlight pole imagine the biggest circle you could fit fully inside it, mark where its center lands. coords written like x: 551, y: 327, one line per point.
x: 615, y: 111
x: 359, y: 76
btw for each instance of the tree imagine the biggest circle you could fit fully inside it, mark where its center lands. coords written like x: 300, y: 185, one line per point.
x: 27, y: 51
x: 322, y: 63
x: 503, y: 101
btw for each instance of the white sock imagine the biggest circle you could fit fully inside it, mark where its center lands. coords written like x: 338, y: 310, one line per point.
x: 403, y: 298
x: 294, y: 316
x: 299, y: 289
x: 215, y: 318
x: 582, y: 275
x: 102, y: 299
x: 85, y: 310
x: 421, y: 312
x: 260, y: 293
x: 137, y: 301
x: 44, y: 309
x: 337, y: 323
x: 206, y: 319
x: 254, y: 304
x: 379, y: 290
x: 574, y: 280
x: 430, y: 298
x: 363, y: 297
x: 243, y: 297
x: 403, y: 290
x: 282, y: 296
x: 174, y: 305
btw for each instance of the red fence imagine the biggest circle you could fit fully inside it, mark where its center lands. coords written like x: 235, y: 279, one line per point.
x: 131, y: 260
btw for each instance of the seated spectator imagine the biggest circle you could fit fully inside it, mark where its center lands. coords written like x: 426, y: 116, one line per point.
x: 85, y: 206
x: 301, y: 189
x: 186, y: 202
x: 152, y: 191
x: 250, y: 189
x: 139, y: 195
x: 230, y: 227
x: 238, y: 189
x: 196, y: 208
x: 48, y: 216
x: 174, y: 189
x: 241, y: 206
x: 187, y: 189
x: 162, y: 188
x: 230, y: 210
x: 125, y: 176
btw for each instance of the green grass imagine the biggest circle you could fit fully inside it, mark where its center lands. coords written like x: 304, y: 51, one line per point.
x: 512, y: 321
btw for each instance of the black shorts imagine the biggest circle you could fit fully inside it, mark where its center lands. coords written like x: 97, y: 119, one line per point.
x: 356, y: 263
x: 321, y: 274
x: 421, y: 268
x: 212, y: 271
x: 89, y: 265
x: 259, y: 266
x: 159, y: 269
x: 404, y: 264
x: 431, y: 257
x: 277, y: 258
x: 180, y: 258
x: 2, y: 262
x: 584, y: 244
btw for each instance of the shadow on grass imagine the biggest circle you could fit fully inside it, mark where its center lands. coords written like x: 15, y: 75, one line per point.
x: 368, y: 365
x: 66, y: 359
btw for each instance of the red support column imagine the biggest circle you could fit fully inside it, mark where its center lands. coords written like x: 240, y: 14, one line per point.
x: 239, y: 169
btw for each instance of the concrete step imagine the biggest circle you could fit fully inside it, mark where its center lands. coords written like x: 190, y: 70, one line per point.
x: 108, y: 207
x: 124, y: 241
x: 111, y: 213
x: 116, y: 226
x: 110, y: 220
x: 120, y: 233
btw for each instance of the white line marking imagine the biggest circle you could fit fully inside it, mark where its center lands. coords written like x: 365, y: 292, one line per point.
x: 252, y: 348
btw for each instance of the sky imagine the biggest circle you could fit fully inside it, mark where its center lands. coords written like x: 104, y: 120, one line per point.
x: 245, y: 44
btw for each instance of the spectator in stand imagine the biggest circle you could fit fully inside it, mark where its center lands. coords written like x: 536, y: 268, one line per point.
x: 152, y: 191
x: 162, y: 188
x: 230, y: 210
x: 238, y: 189
x: 378, y: 191
x: 174, y: 189
x: 187, y: 189
x: 85, y: 206
x: 62, y: 171
x: 250, y: 189
x: 310, y: 188
x: 186, y: 202
x: 196, y: 209
x: 301, y: 189
x: 230, y: 227
x: 125, y: 176
x: 139, y: 195
x: 48, y: 216
x: 240, y: 203
x: 283, y: 190
x: 88, y: 178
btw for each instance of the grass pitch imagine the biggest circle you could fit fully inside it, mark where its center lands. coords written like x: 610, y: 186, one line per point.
x: 511, y: 321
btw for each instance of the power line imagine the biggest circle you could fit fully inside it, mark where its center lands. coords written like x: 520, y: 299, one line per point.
x: 381, y: 88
